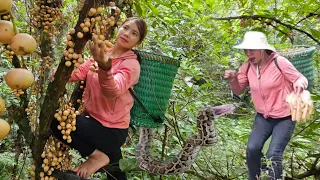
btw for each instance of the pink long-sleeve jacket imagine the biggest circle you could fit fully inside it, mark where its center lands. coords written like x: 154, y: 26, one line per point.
x: 270, y: 90
x: 107, y: 98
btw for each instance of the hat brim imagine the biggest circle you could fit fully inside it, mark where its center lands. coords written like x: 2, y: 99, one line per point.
x: 252, y: 46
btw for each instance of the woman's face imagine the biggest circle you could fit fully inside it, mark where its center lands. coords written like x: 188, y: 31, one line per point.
x: 254, y: 55
x: 128, y: 35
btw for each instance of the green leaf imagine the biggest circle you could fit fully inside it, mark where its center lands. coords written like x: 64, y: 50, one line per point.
x: 174, y: 54
x: 4, y: 69
x: 128, y: 165
x: 163, y: 3
x: 315, y: 97
x: 315, y: 33
x: 138, y: 9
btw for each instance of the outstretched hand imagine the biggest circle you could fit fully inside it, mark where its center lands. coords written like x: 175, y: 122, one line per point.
x: 97, y: 48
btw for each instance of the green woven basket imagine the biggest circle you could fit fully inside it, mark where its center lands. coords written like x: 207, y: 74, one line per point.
x: 301, y: 58
x: 154, y: 88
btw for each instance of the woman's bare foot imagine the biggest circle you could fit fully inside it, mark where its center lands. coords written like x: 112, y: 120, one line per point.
x: 95, y: 161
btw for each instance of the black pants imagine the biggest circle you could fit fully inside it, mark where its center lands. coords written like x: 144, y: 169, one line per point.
x: 91, y: 135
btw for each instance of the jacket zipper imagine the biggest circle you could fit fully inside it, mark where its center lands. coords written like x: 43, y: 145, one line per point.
x: 261, y: 92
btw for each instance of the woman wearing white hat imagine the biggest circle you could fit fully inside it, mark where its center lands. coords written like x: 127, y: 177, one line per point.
x: 270, y: 82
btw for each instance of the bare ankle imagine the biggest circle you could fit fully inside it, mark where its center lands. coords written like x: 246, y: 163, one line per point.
x: 99, y: 155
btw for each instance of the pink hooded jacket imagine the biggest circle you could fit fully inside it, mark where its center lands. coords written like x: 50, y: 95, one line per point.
x: 270, y: 91
x: 106, y: 96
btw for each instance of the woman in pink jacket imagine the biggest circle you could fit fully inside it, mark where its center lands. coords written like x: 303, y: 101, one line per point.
x: 269, y: 85
x: 103, y: 128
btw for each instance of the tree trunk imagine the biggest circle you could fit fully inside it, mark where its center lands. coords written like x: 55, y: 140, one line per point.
x: 56, y: 88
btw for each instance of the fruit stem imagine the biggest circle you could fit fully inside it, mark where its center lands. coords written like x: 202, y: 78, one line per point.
x: 23, y: 63
x: 13, y: 23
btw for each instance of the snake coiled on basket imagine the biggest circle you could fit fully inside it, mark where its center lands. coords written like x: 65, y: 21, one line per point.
x: 206, y: 137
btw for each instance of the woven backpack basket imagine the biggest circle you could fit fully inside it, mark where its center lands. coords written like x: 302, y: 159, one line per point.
x: 301, y: 58
x: 154, y: 88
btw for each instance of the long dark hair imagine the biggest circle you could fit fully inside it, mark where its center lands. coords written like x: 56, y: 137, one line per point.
x: 268, y: 51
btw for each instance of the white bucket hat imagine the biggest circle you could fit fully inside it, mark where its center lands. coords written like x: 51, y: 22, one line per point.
x: 255, y: 40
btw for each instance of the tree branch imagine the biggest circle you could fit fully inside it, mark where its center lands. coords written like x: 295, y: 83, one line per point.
x: 309, y: 15
x: 298, y: 133
x: 314, y: 170
x: 291, y: 39
x: 314, y: 165
x: 55, y: 90
x: 19, y: 115
x: 256, y: 17
x: 308, y: 173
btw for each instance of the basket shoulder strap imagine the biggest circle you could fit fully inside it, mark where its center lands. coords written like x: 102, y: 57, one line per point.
x: 154, y: 118
x: 248, y: 68
x: 138, y: 100
x: 277, y: 64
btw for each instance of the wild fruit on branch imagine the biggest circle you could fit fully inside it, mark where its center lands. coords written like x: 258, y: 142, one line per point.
x: 6, y: 6
x: 4, y: 129
x: 19, y: 79
x: 97, y: 23
x: 55, y: 156
x: 6, y: 31
x: 67, y: 120
x: 4, y: 125
x: 23, y: 44
x: 301, y: 105
x: 2, y: 106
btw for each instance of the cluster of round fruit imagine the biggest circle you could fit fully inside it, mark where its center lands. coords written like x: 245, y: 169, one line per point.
x: 45, y: 13
x: 9, y: 53
x: 97, y: 23
x: 46, y: 63
x: 20, y: 43
x: 32, y: 115
x: 82, y: 87
x: 16, y: 44
x: 80, y: 5
x: 6, y: 17
x: 55, y: 156
x: 67, y: 120
x: 36, y: 89
x: 69, y: 54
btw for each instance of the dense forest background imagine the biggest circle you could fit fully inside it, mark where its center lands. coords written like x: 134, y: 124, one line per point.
x: 200, y: 34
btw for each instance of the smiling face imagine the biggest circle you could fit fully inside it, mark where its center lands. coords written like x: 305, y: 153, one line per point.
x: 128, y: 35
x: 254, y: 55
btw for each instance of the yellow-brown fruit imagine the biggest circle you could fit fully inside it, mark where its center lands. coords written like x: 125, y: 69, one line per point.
x: 80, y: 35
x: 2, y: 106
x: 72, y: 31
x: 19, y: 78
x: 6, y: 32
x: 68, y: 63
x: 5, y: 6
x: 23, y: 44
x: 99, y: 10
x: 112, y: 4
x: 4, y: 129
x: 118, y: 11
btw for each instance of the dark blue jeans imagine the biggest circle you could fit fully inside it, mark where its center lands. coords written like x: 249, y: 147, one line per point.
x: 281, y: 131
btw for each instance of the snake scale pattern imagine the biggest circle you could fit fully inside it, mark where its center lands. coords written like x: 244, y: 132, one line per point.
x: 182, y: 162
